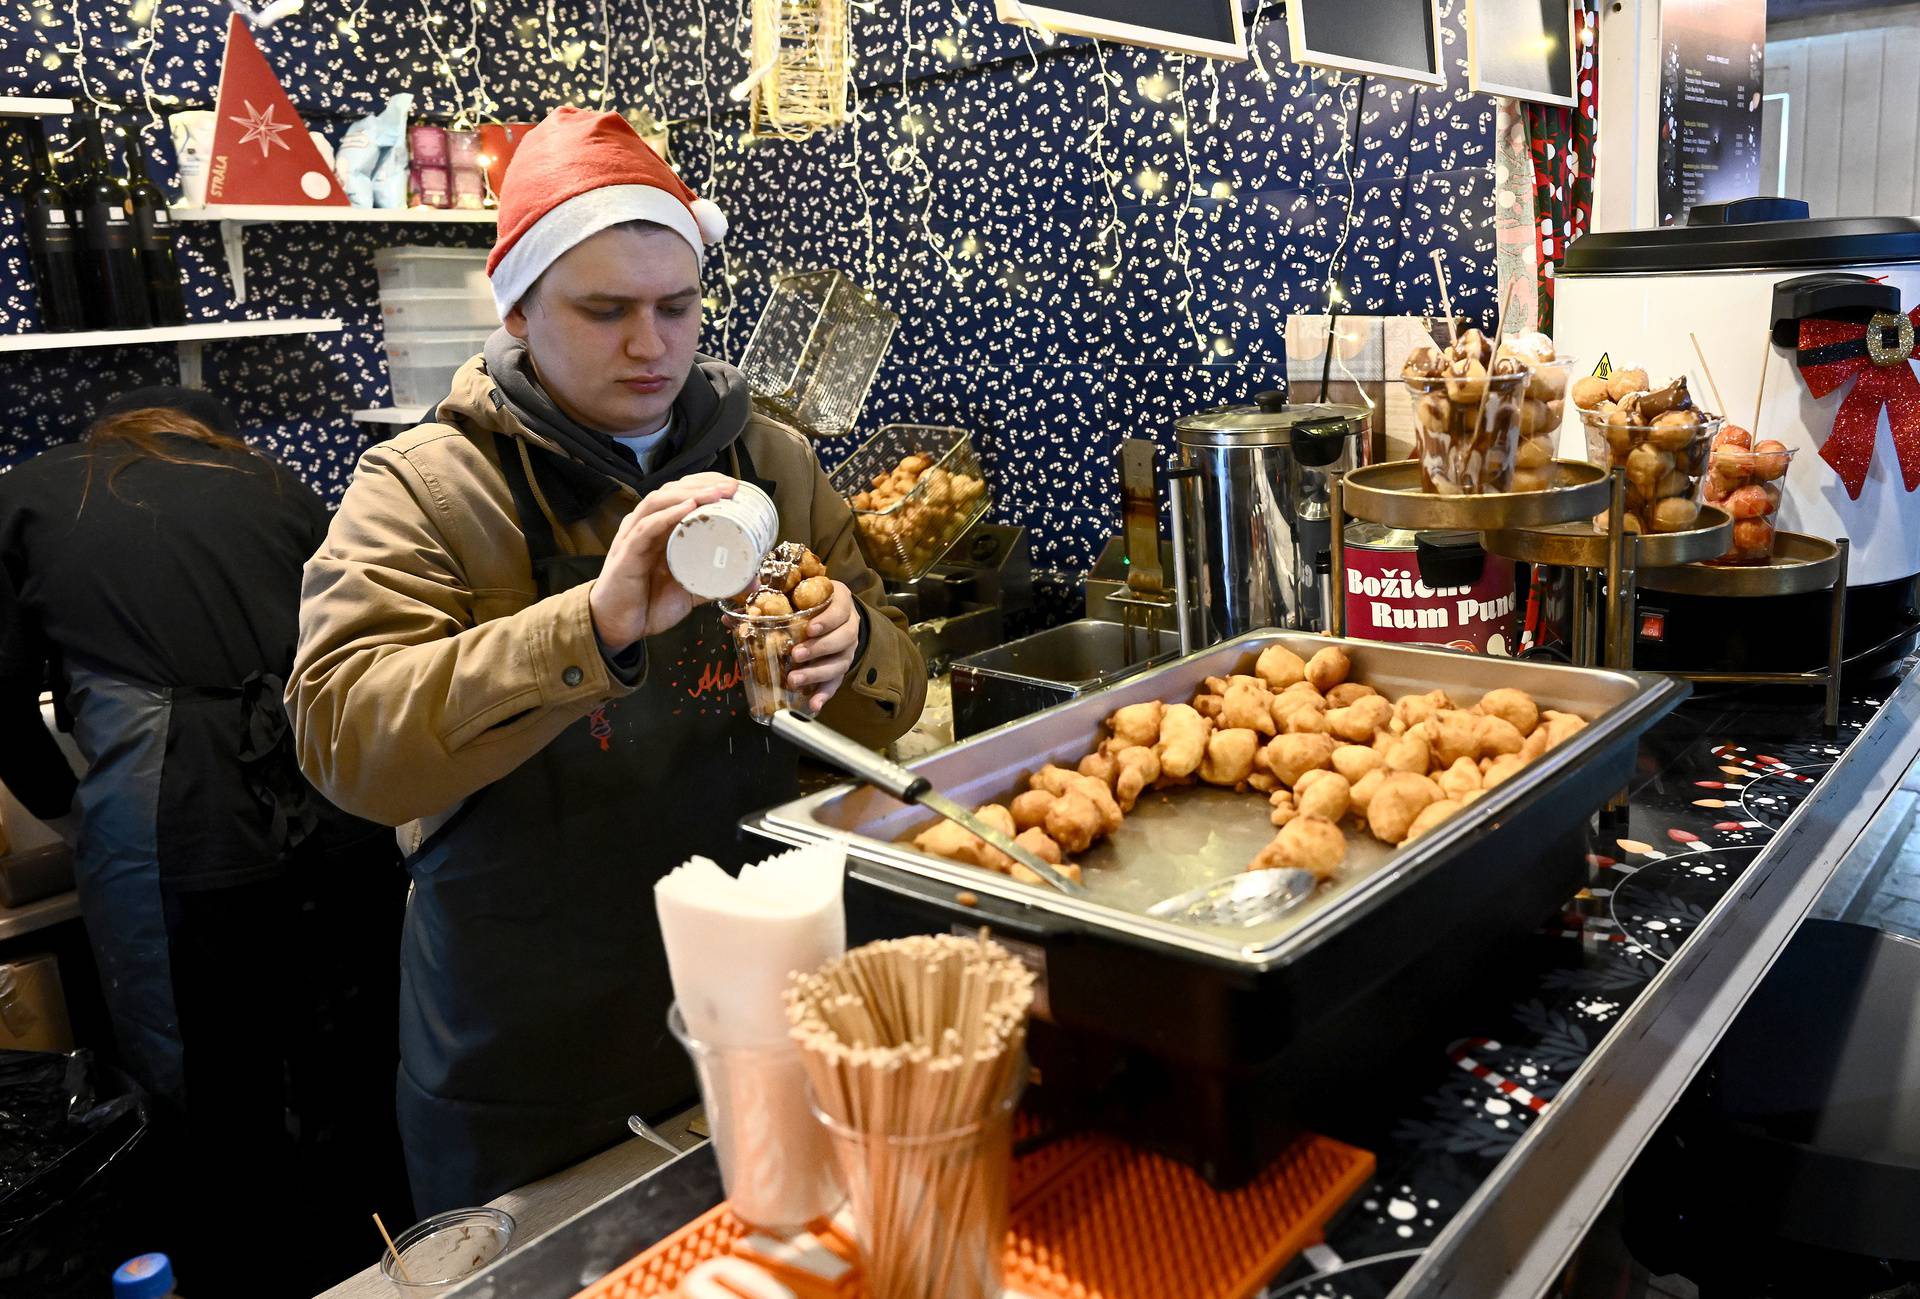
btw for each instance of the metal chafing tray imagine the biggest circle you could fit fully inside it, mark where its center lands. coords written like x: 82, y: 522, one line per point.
x: 1185, y: 1030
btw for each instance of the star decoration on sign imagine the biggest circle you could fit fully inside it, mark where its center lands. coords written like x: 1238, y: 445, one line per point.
x: 261, y: 126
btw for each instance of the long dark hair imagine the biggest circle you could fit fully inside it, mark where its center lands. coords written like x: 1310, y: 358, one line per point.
x: 145, y: 434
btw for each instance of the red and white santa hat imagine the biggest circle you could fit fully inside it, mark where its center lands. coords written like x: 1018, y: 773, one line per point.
x: 574, y: 175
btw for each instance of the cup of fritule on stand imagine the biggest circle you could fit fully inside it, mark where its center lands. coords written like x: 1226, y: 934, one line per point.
x: 1467, y: 405
x: 916, y: 1055
x: 1549, y: 372
x: 732, y: 944
x: 1744, y: 478
x: 1658, y: 434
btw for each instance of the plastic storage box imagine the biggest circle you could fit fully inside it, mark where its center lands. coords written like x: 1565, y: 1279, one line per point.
x: 411, y: 311
x: 462, y: 270
x: 905, y: 527
x: 814, y: 353
x: 420, y: 367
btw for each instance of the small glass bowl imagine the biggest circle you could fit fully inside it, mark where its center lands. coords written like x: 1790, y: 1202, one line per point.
x: 442, y: 1251
x: 1466, y: 431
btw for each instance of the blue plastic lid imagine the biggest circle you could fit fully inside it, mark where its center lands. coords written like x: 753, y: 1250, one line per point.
x: 149, y: 1276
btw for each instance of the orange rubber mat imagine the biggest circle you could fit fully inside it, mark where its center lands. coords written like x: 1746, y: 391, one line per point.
x: 1094, y: 1219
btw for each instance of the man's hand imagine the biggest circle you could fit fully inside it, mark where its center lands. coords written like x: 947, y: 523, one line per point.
x: 635, y: 596
x: 833, y: 637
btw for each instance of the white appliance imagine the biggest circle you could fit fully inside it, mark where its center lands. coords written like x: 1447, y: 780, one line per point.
x: 1636, y: 296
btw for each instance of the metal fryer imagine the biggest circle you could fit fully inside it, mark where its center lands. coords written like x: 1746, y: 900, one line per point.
x: 1209, y: 1042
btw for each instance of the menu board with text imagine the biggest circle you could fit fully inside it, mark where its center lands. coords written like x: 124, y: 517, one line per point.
x: 1712, y: 64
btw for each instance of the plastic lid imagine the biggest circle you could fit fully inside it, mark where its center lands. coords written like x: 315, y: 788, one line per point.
x: 1268, y: 422
x: 150, y: 1276
x: 1713, y: 244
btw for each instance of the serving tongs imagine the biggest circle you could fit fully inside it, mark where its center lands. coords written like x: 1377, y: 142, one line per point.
x: 829, y: 746
x: 1239, y: 901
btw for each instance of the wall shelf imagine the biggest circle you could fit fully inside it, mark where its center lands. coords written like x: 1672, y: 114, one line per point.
x: 406, y: 416
x: 29, y: 106
x: 189, y: 338
x: 234, y: 218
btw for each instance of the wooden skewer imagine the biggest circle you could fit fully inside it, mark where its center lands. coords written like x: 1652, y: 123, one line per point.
x: 1493, y: 354
x: 398, y: 1265
x: 1719, y: 402
x: 1760, y: 397
x: 1446, y: 299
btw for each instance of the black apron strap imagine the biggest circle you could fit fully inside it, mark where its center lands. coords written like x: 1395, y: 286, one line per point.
x: 542, y: 548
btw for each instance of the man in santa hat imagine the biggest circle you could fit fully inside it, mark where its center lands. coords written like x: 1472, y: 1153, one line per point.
x: 494, y: 657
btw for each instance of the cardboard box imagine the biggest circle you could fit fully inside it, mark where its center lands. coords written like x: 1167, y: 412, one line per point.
x: 33, y: 1006
x: 1368, y: 354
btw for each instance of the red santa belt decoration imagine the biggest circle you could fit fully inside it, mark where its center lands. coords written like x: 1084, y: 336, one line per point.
x: 1877, y: 356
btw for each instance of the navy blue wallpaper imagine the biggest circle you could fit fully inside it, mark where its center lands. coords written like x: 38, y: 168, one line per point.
x: 1048, y: 303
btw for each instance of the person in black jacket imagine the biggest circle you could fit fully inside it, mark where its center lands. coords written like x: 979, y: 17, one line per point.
x: 246, y: 931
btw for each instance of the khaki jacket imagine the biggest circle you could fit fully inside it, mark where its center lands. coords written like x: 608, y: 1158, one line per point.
x: 428, y: 667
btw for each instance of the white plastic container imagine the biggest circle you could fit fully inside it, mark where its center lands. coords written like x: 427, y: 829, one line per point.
x: 409, y: 311
x: 461, y: 270
x: 420, y: 367
x: 716, y: 551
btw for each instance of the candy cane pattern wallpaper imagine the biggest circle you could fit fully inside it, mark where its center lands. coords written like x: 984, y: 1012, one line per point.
x: 1083, y: 242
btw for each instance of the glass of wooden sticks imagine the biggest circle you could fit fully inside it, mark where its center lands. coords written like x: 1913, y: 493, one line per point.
x: 915, y: 1052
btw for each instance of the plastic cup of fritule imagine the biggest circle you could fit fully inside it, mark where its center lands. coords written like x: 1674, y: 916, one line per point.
x: 1465, y: 430
x: 436, y: 1254
x: 1540, y: 415
x: 1746, y: 482
x: 1664, y: 461
x: 764, y: 645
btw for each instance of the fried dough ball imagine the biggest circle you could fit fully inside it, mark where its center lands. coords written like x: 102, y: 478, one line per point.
x: 1229, y: 757
x: 1138, y: 723
x: 1400, y: 798
x: 1430, y: 816
x: 1307, y: 720
x: 769, y: 604
x: 1328, y: 668
x: 1182, y: 741
x: 1058, y: 781
x: 1279, y: 667
x: 1323, y: 793
x: 1495, y: 770
x: 1410, y: 753
x: 1137, y: 769
x: 1030, y: 809
x: 1041, y: 845
x: 1289, y: 757
x: 1024, y: 876
x: 813, y: 592
x: 1554, y: 728
x: 1261, y: 782
x: 809, y: 565
x: 957, y: 844
x: 1411, y: 710
x: 1497, y: 736
x: 1308, y: 843
x: 1209, y: 707
x: 1356, y: 760
x: 1348, y: 693
x: 1073, y: 822
x: 1516, y: 707
x: 1101, y: 767
x: 1361, y: 796
x: 1360, y: 721
x: 1461, y: 778
x: 1247, y: 706
x: 1280, y: 807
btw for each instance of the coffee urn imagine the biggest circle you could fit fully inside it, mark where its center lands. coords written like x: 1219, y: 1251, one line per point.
x: 1252, y: 514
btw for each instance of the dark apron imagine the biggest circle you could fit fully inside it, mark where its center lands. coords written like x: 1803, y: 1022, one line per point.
x: 534, y: 987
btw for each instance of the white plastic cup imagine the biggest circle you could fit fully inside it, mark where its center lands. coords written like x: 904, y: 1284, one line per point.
x: 192, y: 133
x: 716, y: 551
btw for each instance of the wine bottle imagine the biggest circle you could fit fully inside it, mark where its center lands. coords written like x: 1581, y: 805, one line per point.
x: 53, y: 243
x: 117, y: 293
x: 153, y: 236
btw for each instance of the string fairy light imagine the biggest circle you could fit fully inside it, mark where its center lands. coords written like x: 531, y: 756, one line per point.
x: 1112, y: 227
x: 1349, y: 134
x: 1182, y: 251
x: 905, y: 158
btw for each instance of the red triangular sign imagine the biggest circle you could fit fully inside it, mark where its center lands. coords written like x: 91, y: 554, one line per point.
x: 261, y: 151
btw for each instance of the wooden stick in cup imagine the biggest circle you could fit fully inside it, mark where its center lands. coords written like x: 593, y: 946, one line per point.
x: 1499, y: 327
x: 1760, y: 397
x: 398, y: 1265
x: 1720, y: 402
x: 1446, y: 299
